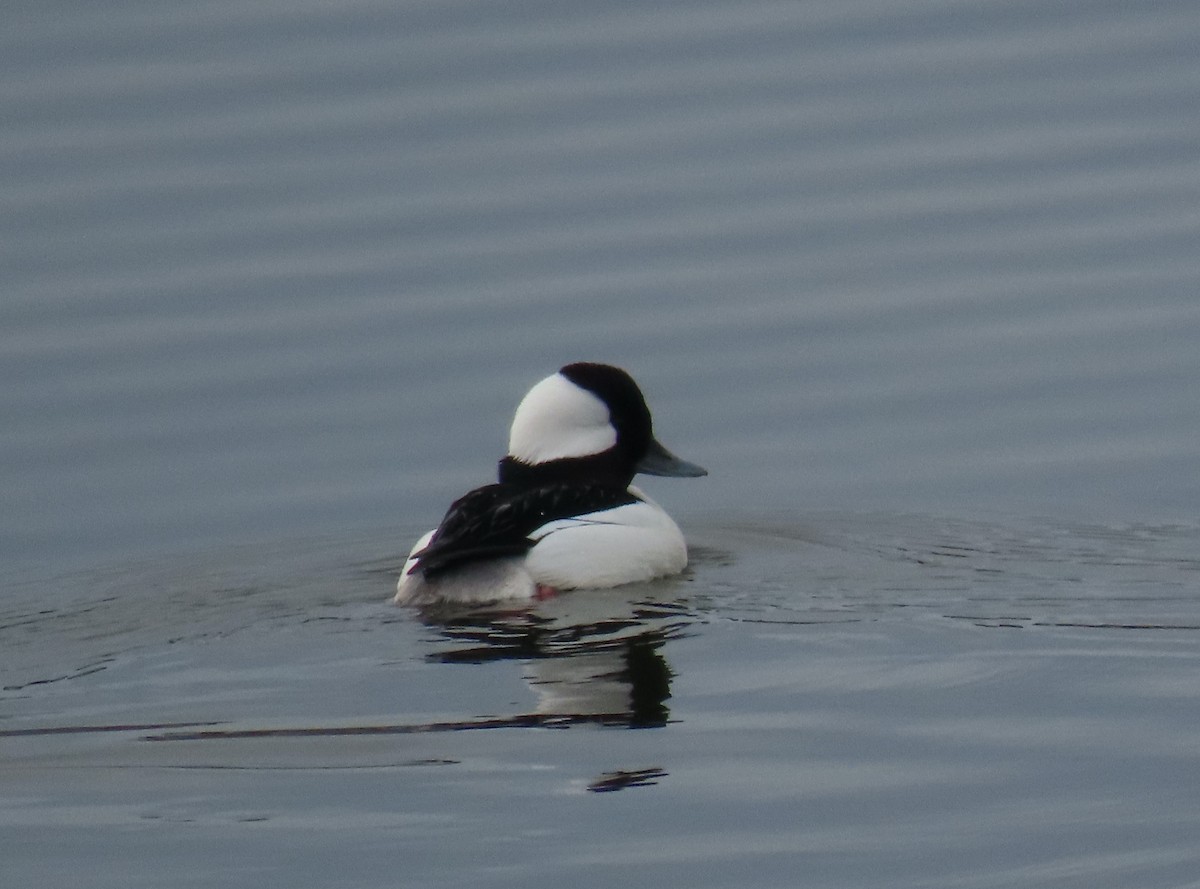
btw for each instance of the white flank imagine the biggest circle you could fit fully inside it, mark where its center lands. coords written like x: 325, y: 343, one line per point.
x: 630, y: 543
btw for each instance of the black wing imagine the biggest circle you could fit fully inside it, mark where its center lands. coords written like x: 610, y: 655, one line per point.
x: 496, y: 520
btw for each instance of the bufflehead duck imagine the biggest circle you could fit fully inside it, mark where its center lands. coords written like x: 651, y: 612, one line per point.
x: 564, y: 513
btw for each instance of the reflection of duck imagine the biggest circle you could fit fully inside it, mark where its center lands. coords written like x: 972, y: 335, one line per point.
x: 599, y: 662
x: 563, y: 514
x: 629, y: 685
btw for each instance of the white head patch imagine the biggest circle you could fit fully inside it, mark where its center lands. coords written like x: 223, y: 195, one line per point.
x: 558, y: 419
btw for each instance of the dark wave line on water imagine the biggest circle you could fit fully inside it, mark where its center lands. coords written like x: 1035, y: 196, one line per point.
x: 88, y: 670
x: 97, y: 729
x: 622, y: 779
x: 523, y: 720
x: 1116, y: 626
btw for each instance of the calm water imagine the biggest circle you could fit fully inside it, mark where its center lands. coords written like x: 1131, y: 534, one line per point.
x: 918, y: 284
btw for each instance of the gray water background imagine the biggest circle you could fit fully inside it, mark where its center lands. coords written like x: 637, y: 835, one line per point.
x: 916, y: 282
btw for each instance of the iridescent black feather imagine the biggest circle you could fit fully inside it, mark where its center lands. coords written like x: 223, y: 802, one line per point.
x: 496, y: 520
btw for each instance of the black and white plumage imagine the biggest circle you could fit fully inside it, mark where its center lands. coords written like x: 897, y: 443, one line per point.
x: 564, y: 513
x: 497, y: 520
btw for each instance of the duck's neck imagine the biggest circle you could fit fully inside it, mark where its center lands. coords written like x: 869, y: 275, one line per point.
x: 605, y: 468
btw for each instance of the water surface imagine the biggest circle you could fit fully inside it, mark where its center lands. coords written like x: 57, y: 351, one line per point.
x: 917, y: 283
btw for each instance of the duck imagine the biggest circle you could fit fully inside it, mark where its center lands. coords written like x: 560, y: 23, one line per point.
x: 564, y: 513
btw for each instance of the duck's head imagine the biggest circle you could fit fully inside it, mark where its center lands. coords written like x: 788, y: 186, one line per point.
x: 587, y: 422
